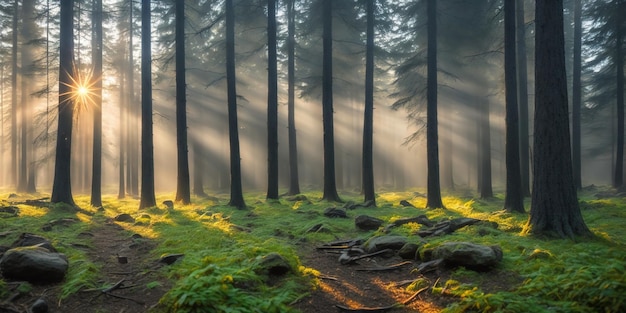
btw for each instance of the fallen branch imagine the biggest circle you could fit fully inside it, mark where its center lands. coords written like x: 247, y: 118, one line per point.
x: 409, y: 299
x: 422, y: 219
x: 385, y: 268
x: 366, y: 309
x: 346, y: 259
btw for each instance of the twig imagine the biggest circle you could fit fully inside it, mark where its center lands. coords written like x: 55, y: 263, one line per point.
x: 366, y: 309
x: 125, y: 298
x: 385, y: 268
x: 116, y: 286
x: 409, y: 299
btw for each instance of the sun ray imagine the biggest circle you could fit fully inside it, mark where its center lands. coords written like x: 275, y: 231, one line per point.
x: 82, y: 91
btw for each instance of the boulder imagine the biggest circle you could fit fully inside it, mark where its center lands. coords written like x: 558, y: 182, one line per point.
x: 379, y: 243
x: 124, y: 217
x: 33, y: 264
x: 273, y: 264
x: 366, y: 222
x: 409, y: 251
x: 40, y: 306
x: 28, y: 239
x: 469, y: 255
x: 335, y: 212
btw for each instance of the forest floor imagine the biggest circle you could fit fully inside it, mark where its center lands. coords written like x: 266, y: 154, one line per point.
x: 115, y: 265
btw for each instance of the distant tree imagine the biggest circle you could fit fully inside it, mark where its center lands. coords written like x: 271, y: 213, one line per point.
x: 14, y: 70
x: 132, y: 155
x: 272, y: 103
x: 433, y: 199
x: 486, y: 188
x: 330, y: 185
x: 183, y: 193
x: 554, y: 206
x: 147, y: 199
x: 522, y: 84
x: 199, y: 168
x: 121, y: 193
x: 620, y: 6
x: 97, y: 45
x: 577, y: 94
x: 294, y: 184
x: 514, y: 198
x: 368, y: 117
x: 236, y: 190
x: 61, y: 186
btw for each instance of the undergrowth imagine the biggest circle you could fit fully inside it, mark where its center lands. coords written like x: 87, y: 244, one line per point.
x: 223, y: 246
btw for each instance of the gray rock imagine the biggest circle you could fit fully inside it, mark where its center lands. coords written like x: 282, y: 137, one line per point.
x: 409, y: 251
x: 366, y: 222
x: 273, y: 264
x: 28, y: 239
x: 168, y: 204
x: 379, y: 243
x: 469, y: 255
x: 335, y: 212
x: 171, y: 258
x: 33, y: 264
x: 10, y: 211
x: 124, y: 217
x: 40, y: 306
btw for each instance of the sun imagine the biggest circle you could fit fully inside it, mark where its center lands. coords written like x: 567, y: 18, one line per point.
x: 82, y: 89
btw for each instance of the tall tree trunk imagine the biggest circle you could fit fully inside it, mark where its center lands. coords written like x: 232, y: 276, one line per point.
x: 26, y: 55
x: 433, y: 199
x: 236, y: 191
x: 330, y: 185
x: 368, y: 113
x: 133, y: 114
x: 2, y: 148
x: 486, y: 190
x: 577, y: 94
x: 199, y: 168
x: 514, y: 198
x: 619, y: 75
x: 96, y: 170
x: 183, y: 193
x: 121, y: 193
x: 14, y: 43
x: 522, y: 84
x: 272, y: 103
x: 554, y: 207
x: 294, y: 184
x: 147, y: 199
x: 61, y: 186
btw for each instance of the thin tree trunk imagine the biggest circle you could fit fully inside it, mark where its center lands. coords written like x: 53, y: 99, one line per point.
x: 96, y: 170
x: 514, y: 198
x: 522, y: 84
x: 14, y: 74
x: 577, y: 95
x: 199, y: 168
x: 433, y: 199
x: 147, y: 199
x: 619, y: 75
x: 368, y: 113
x: 236, y: 191
x: 330, y: 184
x: 121, y: 193
x: 183, y: 193
x: 294, y: 185
x: 486, y: 190
x: 272, y: 103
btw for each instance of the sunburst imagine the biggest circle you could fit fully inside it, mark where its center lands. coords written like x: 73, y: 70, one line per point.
x: 82, y: 91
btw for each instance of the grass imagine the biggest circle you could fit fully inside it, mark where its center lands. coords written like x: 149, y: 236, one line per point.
x: 223, y: 246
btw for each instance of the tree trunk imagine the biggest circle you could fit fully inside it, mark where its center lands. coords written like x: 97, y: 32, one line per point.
x: 272, y: 103
x: 27, y: 69
x: 514, y: 198
x: 368, y: 113
x: 432, y: 138
x: 132, y: 164
x: 619, y: 75
x: 199, y: 168
x: 147, y: 199
x: 183, y: 193
x: 14, y: 43
x: 236, y: 191
x: 294, y: 185
x: 554, y: 209
x: 61, y: 186
x: 330, y: 185
x: 121, y: 193
x: 577, y: 95
x: 96, y: 170
x: 486, y: 190
x: 522, y: 84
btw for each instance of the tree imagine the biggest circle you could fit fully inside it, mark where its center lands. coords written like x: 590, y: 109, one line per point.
x: 514, y: 198
x: 236, y: 191
x: 330, y: 185
x: 183, y: 193
x: 14, y: 68
x: 368, y: 116
x: 433, y: 199
x: 486, y: 188
x: 61, y: 186
x: 620, y: 6
x: 272, y: 103
x: 96, y: 176
x: 147, y: 199
x: 294, y: 185
x: 522, y: 84
x: 577, y: 94
x: 554, y: 207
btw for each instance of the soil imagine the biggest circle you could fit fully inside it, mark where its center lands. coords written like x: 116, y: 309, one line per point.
x: 125, y: 262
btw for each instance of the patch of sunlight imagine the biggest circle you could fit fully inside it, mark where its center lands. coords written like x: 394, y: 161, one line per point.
x: 84, y: 218
x: 27, y: 210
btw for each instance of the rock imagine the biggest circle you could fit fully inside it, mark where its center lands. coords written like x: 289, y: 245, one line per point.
x: 406, y: 204
x: 10, y: 211
x: 316, y: 228
x: 366, y: 222
x: 350, y: 205
x: 33, y: 264
x: 409, y: 251
x: 170, y: 259
x: 335, y: 212
x: 12, y: 196
x: 124, y: 217
x: 28, y: 239
x: 273, y: 264
x: 469, y: 255
x: 384, y: 242
x: 40, y: 306
x: 169, y: 204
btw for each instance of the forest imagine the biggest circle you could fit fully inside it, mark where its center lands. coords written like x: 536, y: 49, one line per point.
x: 221, y: 155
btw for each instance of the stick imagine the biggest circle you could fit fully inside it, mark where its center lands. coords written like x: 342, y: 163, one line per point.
x: 366, y: 309
x: 385, y: 268
x: 409, y: 299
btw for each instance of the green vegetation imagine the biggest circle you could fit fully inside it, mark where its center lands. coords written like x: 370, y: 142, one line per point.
x: 223, y: 246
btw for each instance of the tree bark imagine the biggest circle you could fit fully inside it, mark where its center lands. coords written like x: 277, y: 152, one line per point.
x: 522, y: 84
x: 330, y: 185
x: 96, y: 178
x: 147, y: 199
x: 368, y: 113
x: 236, y: 191
x: 554, y: 210
x: 61, y: 186
x: 486, y: 190
x: 618, y: 181
x: 577, y: 95
x: 183, y: 193
x: 294, y: 184
x: 514, y: 198
x: 432, y: 138
x: 14, y: 73
x: 272, y: 103
x: 121, y: 193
